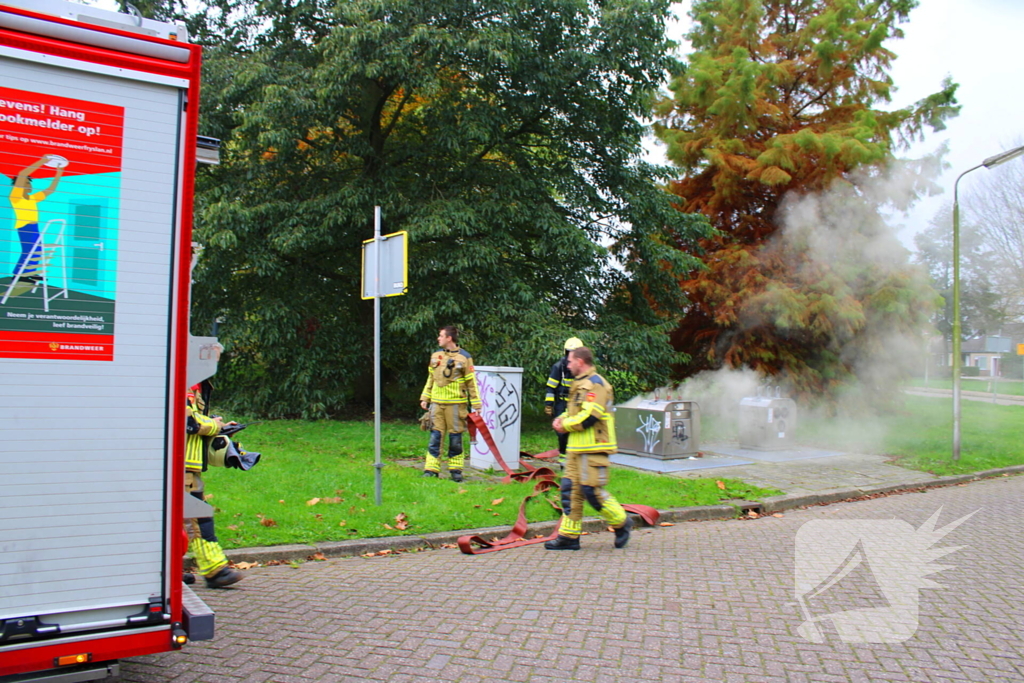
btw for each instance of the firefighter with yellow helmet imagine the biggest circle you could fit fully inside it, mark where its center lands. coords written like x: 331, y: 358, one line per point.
x: 200, y: 431
x: 589, y: 421
x: 559, y: 380
x: 449, y: 394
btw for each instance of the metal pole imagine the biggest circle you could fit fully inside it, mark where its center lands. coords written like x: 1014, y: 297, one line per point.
x: 956, y: 313
x: 955, y: 365
x: 377, y: 464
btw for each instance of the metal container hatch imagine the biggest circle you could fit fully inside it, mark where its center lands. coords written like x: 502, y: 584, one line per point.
x: 767, y: 421
x: 659, y: 428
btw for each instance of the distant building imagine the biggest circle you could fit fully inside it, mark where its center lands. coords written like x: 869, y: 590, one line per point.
x: 984, y: 353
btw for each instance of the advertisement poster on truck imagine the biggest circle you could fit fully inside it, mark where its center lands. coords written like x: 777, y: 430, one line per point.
x: 59, y: 225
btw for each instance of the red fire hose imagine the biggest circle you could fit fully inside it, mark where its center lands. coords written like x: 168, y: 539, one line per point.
x: 545, y: 479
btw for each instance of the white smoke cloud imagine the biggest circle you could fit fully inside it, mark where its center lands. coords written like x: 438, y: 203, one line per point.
x: 844, y: 232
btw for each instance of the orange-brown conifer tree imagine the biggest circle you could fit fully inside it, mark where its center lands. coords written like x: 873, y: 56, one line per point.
x: 782, y: 101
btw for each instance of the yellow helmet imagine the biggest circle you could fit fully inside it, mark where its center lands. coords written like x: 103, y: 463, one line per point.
x: 572, y: 343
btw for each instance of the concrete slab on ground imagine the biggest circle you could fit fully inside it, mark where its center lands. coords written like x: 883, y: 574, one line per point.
x: 709, y: 461
x: 820, y: 475
x: 782, y: 455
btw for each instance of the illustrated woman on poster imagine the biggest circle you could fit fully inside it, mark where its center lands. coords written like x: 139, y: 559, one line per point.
x: 26, y: 217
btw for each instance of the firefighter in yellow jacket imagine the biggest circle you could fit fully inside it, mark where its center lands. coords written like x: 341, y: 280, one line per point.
x: 449, y: 394
x: 590, y: 422
x: 200, y: 429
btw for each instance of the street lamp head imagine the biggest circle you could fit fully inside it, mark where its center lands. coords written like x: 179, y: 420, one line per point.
x: 1003, y: 157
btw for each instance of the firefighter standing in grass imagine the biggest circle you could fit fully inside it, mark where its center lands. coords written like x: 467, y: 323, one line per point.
x: 451, y: 385
x: 590, y: 423
x: 206, y: 551
x: 559, y: 380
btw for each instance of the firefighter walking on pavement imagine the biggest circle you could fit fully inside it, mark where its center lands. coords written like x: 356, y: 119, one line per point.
x: 559, y: 380
x: 589, y: 421
x: 450, y: 394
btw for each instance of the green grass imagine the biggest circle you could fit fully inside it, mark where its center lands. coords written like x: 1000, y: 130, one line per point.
x: 919, y: 435
x: 333, y: 462
x: 1012, y: 387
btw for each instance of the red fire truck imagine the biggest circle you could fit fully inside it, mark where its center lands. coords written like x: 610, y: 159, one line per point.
x: 98, y: 146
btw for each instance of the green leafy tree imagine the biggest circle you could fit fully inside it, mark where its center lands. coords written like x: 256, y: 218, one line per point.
x: 778, y: 121
x: 502, y: 135
x: 981, y: 310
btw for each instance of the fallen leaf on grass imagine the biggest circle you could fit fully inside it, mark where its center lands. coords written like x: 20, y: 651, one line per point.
x: 401, y: 521
x: 312, y: 501
x: 233, y: 527
x: 266, y: 521
x: 666, y: 524
x: 207, y: 496
x: 332, y: 501
x: 497, y: 501
x: 494, y: 514
x: 342, y: 523
x: 461, y: 490
x: 720, y: 484
x: 281, y: 501
x: 388, y: 526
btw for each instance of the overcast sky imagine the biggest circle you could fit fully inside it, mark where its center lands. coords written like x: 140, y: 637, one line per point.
x: 977, y: 43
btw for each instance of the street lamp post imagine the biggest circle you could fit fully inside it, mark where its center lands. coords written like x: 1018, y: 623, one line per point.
x: 991, y: 162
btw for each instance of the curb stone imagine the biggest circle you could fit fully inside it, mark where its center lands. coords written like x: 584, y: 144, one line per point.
x: 291, y: 553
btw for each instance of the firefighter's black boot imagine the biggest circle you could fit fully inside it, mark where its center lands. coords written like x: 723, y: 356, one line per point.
x: 428, y: 473
x: 456, y: 475
x: 188, y: 579
x: 563, y: 543
x: 622, y: 533
x: 225, y: 577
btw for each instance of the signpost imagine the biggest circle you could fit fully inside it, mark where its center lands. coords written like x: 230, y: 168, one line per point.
x: 385, y: 273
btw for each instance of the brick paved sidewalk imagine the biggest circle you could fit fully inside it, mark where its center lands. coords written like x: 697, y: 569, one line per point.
x: 708, y: 601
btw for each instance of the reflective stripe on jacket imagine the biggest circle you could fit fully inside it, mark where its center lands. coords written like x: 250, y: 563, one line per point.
x: 198, y: 430
x: 451, y: 379
x: 590, y: 415
x: 559, y: 381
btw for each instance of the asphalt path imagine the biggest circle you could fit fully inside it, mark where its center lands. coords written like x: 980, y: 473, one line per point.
x: 698, y: 601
